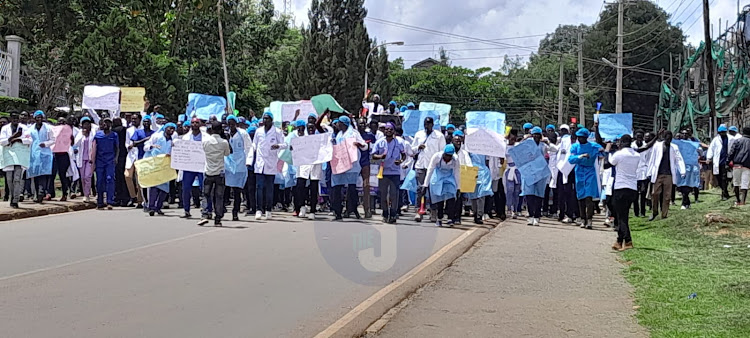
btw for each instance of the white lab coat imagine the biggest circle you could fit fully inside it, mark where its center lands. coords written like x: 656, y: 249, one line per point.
x: 133, y: 153
x: 267, y: 160
x: 6, y: 133
x: 677, y: 163
x: 714, y: 151
x: 563, y: 153
x: 434, y: 144
x: 79, y: 145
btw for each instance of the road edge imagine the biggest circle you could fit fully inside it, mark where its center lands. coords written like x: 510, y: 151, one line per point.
x: 48, y: 210
x: 356, y: 321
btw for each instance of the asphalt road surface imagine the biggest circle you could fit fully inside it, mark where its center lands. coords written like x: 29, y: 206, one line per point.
x: 121, y: 273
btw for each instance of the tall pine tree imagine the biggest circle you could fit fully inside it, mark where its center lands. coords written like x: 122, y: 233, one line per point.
x: 333, y: 52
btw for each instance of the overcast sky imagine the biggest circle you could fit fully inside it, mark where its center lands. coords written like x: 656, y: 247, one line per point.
x: 497, y: 19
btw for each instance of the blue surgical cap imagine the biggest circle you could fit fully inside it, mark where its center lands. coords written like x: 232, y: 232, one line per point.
x: 312, y: 115
x: 85, y: 118
x: 38, y: 113
x: 536, y: 130
x: 146, y: 118
x: 170, y: 124
x: 345, y: 120
x: 583, y: 132
x: 268, y: 114
x: 733, y: 128
x: 300, y: 123
x: 458, y: 133
x: 550, y: 126
x: 393, y: 103
x: 251, y: 129
x: 527, y: 126
x: 403, y: 109
x: 450, y: 149
x: 232, y: 118
x: 722, y: 128
x: 159, y: 116
x: 335, y: 121
x: 410, y: 105
x: 186, y: 124
x: 449, y: 126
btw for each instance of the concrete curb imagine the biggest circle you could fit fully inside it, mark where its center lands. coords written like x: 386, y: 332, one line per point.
x: 51, y: 209
x: 356, y: 321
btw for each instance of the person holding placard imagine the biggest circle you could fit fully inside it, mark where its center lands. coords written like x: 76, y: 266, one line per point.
x: 190, y: 177
x: 392, y: 153
x: 84, y: 157
x: 584, y: 155
x: 61, y: 158
x: 106, y: 149
x: 426, y: 144
x: 159, y: 144
x: 15, y: 141
x: 364, y: 162
x: 308, y: 181
x: 625, y: 162
x: 453, y: 208
x: 40, y: 164
x: 532, y: 191
x: 267, y: 142
x: 134, y: 190
x: 441, y: 178
x: 235, y: 170
x: 348, y: 178
x: 140, y: 138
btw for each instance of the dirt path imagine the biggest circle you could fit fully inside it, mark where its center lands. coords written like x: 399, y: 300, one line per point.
x: 550, y: 281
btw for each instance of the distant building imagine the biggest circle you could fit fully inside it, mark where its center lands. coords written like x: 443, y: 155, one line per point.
x: 426, y: 63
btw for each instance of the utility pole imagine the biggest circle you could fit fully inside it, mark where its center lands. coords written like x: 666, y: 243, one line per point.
x: 671, y: 72
x: 618, y: 94
x: 223, y: 51
x: 581, y: 108
x: 709, y: 66
x: 560, y: 95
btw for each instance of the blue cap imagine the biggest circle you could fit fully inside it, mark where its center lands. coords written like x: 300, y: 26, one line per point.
x: 252, y: 129
x: 345, y: 120
x: 146, y: 118
x: 722, y: 128
x: 159, y: 116
x: 312, y: 115
x: 85, y: 118
x: 393, y: 103
x: 300, y: 123
x: 38, y: 113
x: 734, y: 129
x: 403, y: 109
x: 186, y: 124
x: 410, y: 105
x: 536, y: 130
x: 458, y: 133
x: 268, y: 114
x: 583, y: 132
x: 527, y: 126
x: 170, y: 124
x: 232, y: 118
x: 450, y: 149
x: 449, y: 126
x: 550, y: 126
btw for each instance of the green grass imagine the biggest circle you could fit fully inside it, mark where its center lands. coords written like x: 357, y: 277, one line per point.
x: 684, y: 254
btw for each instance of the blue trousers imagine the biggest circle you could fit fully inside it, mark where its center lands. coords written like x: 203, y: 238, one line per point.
x: 188, y: 177
x: 105, y: 182
x: 264, y: 192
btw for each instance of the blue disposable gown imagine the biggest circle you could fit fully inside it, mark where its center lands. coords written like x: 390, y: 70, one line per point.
x: 587, y: 183
x: 443, y: 185
x: 40, y: 162
x: 538, y: 185
x: 235, y: 171
x: 484, y: 180
x: 165, y: 147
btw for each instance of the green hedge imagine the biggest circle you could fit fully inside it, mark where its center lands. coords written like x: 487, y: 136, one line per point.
x: 12, y: 103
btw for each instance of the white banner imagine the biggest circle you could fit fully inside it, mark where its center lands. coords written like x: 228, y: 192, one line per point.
x: 484, y: 142
x: 312, y: 149
x: 188, y: 156
x: 289, y: 110
x: 101, y: 97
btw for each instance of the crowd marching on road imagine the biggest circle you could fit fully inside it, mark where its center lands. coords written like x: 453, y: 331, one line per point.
x: 587, y: 174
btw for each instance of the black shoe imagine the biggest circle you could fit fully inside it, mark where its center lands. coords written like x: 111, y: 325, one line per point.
x: 20, y: 199
x: 217, y: 223
x: 478, y: 221
x: 357, y: 215
x: 338, y: 219
x: 186, y: 215
x: 235, y: 218
x: 14, y: 205
x: 652, y: 218
x: 160, y: 213
x: 151, y: 213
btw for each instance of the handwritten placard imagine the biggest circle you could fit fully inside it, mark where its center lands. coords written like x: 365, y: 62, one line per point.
x: 468, y: 177
x: 63, y: 134
x: 101, y: 97
x: 132, y: 99
x: 530, y: 161
x: 312, y: 149
x: 613, y: 125
x: 484, y: 142
x: 289, y: 110
x: 203, y: 106
x: 188, y: 155
x: 154, y: 171
x: 340, y: 160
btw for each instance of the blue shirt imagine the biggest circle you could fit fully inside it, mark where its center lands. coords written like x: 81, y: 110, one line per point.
x: 364, y: 159
x: 106, y: 146
x: 141, y: 134
x: 393, y: 149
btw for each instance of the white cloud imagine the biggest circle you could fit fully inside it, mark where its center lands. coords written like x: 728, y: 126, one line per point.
x: 496, y: 19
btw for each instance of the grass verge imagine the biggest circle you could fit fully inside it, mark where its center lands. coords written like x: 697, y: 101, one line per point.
x: 686, y: 254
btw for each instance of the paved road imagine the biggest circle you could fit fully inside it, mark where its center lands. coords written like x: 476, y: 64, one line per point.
x: 122, y: 273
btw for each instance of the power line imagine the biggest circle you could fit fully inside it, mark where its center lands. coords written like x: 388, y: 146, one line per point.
x: 451, y: 50
x: 462, y: 42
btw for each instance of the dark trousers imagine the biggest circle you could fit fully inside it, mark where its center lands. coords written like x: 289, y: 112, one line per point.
x: 351, y: 199
x: 496, y: 202
x: 534, y: 203
x: 41, y: 183
x: 422, y: 191
x: 685, y: 191
x: 389, y: 191
x: 567, y: 196
x: 188, y: 177
x: 439, y: 208
x: 586, y: 208
x: 299, y: 194
x: 60, y: 166
x: 639, y: 206
x: 264, y: 192
x: 236, y: 200
x: 158, y: 197
x: 250, y: 191
x: 213, y: 190
x: 622, y: 199
x: 723, y: 181
x: 121, y: 189
x: 105, y: 182
x: 452, y: 207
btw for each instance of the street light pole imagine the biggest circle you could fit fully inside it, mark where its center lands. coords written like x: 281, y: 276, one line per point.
x: 618, y: 94
x: 367, y: 61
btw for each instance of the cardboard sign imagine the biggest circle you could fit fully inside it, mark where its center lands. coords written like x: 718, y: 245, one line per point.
x: 468, y: 177
x: 154, y: 171
x: 132, y: 99
x: 188, y: 155
x: 101, y: 97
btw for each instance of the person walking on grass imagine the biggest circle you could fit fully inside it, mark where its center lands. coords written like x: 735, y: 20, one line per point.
x: 665, y: 166
x: 718, y: 153
x: 739, y: 154
x: 625, y: 163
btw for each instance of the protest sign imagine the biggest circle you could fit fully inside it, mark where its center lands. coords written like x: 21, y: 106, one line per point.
x: 325, y: 102
x: 154, y: 171
x: 468, y: 177
x: 101, y: 97
x: 341, y: 161
x: 414, y: 121
x: 188, y: 155
x: 289, y: 110
x: 203, y: 106
x: 312, y: 149
x: 484, y: 142
x: 132, y: 99
x: 16, y: 154
x: 63, y: 135
x: 530, y: 161
x: 613, y: 125
x: 689, y: 152
x: 443, y: 111
x: 491, y: 120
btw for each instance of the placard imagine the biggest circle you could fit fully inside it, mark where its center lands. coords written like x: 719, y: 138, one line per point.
x: 530, y: 161
x: 613, y: 125
x: 132, y: 99
x: 468, y: 178
x: 62, y: 133
x: 188, y: 155
x: 491, y: 120
x: 154, y: 171
x: 16, y: 154
x: 414, y: 121
x: 101, y: 97
x: 289, y: 110
x: 443, y: 110
x: 484, y: 142
x: 203, y: 106
x: 340, y: 160
x: 312, y: 149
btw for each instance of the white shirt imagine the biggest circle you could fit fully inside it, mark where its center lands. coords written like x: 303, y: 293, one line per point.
x: 434, y: 143
x: 133, y: 153
x: 6, y: 133
x: 216, y: 148
x: 626, y: 166
x: 267, y: 159
x: 437, y: 162
x: 463, y: 158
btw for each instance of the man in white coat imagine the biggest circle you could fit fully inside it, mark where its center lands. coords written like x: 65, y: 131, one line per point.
x: 267, y: 142
x: 15, y: 141
x: 664, y: 166
x: 566, y: 199
x: 718, y: 153
x: 427, y: 143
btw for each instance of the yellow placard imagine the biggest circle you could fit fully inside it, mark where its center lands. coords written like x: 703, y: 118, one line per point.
x: 132, y: 99
x: 507, y: 130
x: 155, y: 170
x: 469, y: 177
